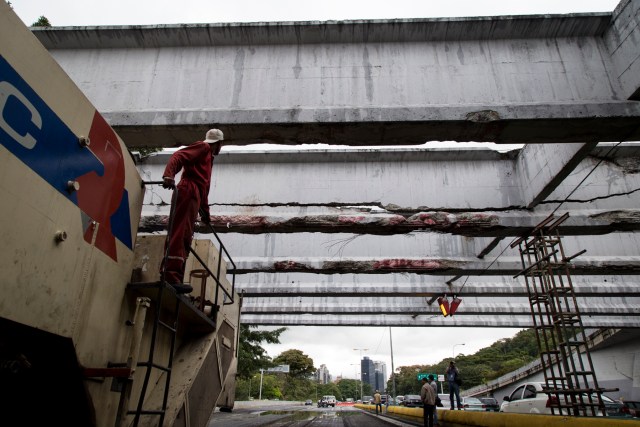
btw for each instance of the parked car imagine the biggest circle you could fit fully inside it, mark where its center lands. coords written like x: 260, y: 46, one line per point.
x: 613, y: 407
x: 444, y: 398
x: 472, y: 404
x: 412, y: 401
x: 490, y: 403
x: 527, y: 398
x: 631, y: 407
x: 308, y: 402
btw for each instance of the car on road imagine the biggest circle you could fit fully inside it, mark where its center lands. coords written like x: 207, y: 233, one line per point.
x: 444, y: 398
x: 308, y: 402
x: 490, y: 403
x: 613, y: 407
x: 328, y: 400
x: 399, y: 399
x: 631, y: 407
x: 528, y: 398
x: 367, y: 399
x: 472, y: 404
x: 412, y: 401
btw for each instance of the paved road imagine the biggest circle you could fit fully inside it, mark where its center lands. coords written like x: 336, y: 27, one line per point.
x: 282, y: 414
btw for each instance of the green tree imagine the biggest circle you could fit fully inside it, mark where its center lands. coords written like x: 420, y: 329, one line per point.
x: 42, y: 22
x: 349, y: 388
x: 487, y: 364
x: 296, y: 385
x: 251, y: 356
x: 270, y: 387
x: 300, y: 365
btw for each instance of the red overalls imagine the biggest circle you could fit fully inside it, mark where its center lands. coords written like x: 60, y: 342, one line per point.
x: 192, y: 194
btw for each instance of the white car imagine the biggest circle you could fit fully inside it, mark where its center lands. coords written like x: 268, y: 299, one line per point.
x: 528, y: 398
x: 328, y: 401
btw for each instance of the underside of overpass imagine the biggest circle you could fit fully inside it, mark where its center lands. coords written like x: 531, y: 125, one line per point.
x: 370, y: 228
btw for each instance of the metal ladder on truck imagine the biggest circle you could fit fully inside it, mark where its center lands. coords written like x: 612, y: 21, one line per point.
x: 165, y: 300
x: 570, y: 379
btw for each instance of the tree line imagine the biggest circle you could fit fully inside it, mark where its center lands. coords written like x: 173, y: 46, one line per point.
x: 487, y: 364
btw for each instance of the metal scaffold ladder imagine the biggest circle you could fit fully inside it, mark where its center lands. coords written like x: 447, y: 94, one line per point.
x: 570, y: 379
x: 171, y: 326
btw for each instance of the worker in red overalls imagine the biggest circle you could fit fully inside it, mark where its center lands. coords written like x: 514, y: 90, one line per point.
x: 196, y: 161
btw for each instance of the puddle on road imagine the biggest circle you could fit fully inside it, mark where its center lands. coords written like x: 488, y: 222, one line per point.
x: 309, y: 415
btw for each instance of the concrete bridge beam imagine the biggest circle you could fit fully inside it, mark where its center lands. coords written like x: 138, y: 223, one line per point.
x: 528, y: 79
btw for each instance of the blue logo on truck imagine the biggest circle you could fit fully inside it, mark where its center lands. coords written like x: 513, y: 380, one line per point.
x: 33, y: 133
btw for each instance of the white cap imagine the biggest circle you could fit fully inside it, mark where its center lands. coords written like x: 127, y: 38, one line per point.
x: 214, y: 135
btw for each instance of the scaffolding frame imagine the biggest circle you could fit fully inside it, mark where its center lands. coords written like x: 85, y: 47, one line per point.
x: 570, y: 380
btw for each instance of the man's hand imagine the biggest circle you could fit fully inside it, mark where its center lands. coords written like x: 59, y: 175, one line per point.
x: 168, y: 183
x: 205, y: 217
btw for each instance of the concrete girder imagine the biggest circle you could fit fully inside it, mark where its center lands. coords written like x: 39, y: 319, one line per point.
x: 532, y: 79
x: 512, y: 124
x: 406, y: 320
x: 542, y: 167
x: 253, y: 287
x: 433, y: 266
x: 600, y: 306
x: 367, y: 221
x: 406, y: 182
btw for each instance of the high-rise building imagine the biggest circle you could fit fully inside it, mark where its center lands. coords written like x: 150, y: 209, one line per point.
x: 381, y: 375
x: 368, y: 372
x: 322, y: 375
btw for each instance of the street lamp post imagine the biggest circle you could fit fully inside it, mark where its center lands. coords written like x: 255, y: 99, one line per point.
x: 393, y: 372
x: 357, y: 373
x: 454, y: 350
x: 361, y: 350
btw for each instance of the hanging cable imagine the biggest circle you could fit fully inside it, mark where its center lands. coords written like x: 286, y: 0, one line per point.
x: 554, y: 211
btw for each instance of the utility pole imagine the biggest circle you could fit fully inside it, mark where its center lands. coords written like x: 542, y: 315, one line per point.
x: 393, y: 371
x: 261, y: 373
x: 361, y: 350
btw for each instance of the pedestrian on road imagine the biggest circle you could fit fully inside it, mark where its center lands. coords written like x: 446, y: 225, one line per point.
x: 428, y: 397
x: 377, y: 400
x: 453, y: 378
x: 196, y: 162
x: 434, y: 386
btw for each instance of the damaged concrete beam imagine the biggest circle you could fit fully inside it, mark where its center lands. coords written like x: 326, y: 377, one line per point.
x: 594, y: 265
x: 475, y: 224
x: 425, y: 320
x: 542, y: 167
x: 253, y: 287
x: 600, y: 306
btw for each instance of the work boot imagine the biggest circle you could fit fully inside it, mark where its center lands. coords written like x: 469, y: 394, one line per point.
x: 182, y: 288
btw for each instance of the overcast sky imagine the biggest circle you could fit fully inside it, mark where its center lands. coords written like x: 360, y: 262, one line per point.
x: 332, y: 346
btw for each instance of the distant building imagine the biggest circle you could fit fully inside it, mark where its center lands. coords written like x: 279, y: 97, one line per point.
x: 322, y: 375
x: 380, y: 375
x: 368, y: 372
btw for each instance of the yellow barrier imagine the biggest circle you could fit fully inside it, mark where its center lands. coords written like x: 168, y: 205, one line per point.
x: 500, y: 419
